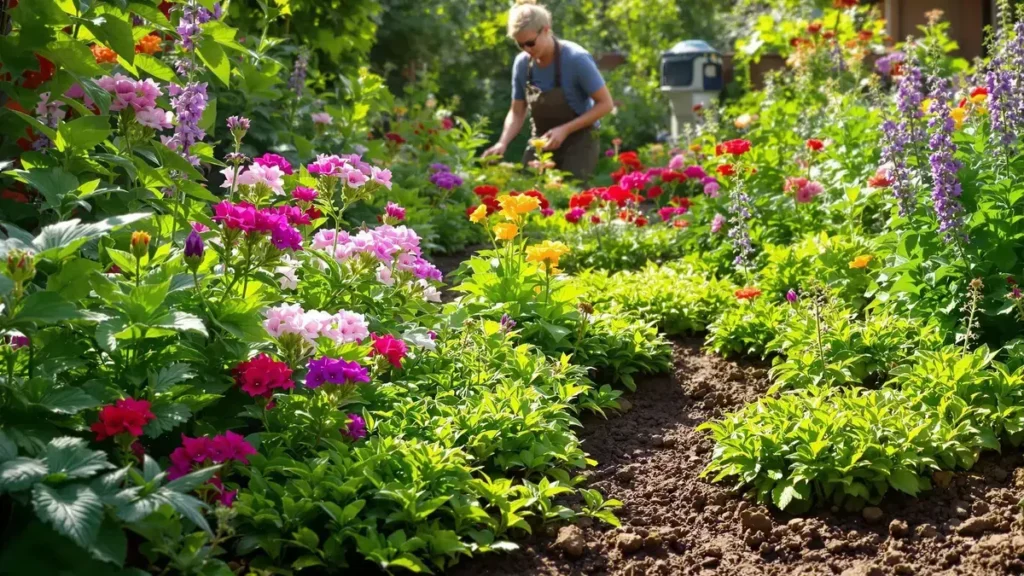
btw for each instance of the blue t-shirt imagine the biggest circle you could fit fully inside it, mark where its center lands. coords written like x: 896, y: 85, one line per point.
x: 580, y: 76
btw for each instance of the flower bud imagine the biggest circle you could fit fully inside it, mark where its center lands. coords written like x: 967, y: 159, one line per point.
x: 21, y: 266
x: 194, y: 250
x: 140, y: 244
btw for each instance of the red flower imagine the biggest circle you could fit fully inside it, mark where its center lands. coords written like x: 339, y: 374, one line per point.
x: 618, y: 174
x: 630, y: 160
x: 747, y: 293
x: 396, y: 138
x: 844, y: 3
x: 682, y: 202
x: 815, y: 145
x: 447, y: 123
x: 726, y: 170
x: 617, y: 194
x: 1011, y: 280
x: 681, y: 223
x: 865, y: 35
x: 33, y: 79
x: 262, y: 375
x: 828, y: 35
x: 595, y: 219
x: 640, y: 221
x: 979, y: 91
x: 881, y: 179
x: 492, y: 204
x: 814, y: 27
x: 582, y: 200
x: 698, y: 107
x: 654, y: 192
x: 126, y: 416
x: 390, y: 348
x: 670, y: 176
x: 486, y: 190
x: 736, y: 147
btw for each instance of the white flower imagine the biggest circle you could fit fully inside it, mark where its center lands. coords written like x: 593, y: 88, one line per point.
x: 420, y: 339
x: 289, y: 278
x: 430, y: 294
x: 384, y: 276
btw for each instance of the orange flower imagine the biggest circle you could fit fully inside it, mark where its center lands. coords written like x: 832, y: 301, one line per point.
x: 148, y: 45
x: 479, y: 214
x: 512, y: 207
x: 748, y: 293
x: 103, y: 54
x: 505, y: 231
x: 861, y: 261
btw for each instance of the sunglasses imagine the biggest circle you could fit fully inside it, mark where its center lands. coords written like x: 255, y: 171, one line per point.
x: 530, y: 43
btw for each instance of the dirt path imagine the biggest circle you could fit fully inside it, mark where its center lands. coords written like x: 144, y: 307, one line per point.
x: 676, y: 523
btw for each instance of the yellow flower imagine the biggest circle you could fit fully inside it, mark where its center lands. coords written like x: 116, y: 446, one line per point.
x: 546, y: 251
x: 694, y: 147
x: 926, y: 105
x: 979, y: 98
x: 538, y: 143
x: 958, y: 115
x: 400, y: 110
x: 512, y: 207
x: 505, y: 231
x: 861, y: 261
x: 479, y: 214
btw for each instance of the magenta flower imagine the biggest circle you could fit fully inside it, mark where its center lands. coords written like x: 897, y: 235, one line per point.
x: 395, y: 211
x: 356, y: 428
x: 304, y: 194
x: 280, y: 162
x: 284, y: 237
x: 335, y: 371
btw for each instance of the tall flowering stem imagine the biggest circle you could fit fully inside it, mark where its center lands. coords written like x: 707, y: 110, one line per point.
x: 739, y: 229
x: 1004, y: 80
x: 946, y: 188
x: 902, y: 137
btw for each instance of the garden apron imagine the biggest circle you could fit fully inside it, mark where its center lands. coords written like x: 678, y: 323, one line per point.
x: 548, y: 110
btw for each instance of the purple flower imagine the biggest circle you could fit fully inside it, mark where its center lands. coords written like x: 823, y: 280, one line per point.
x: 189, y: 103
x: 284, y: 237
x: 194, y: 247
x: 446, y: 180
x: 1005, y: 82
x: 902, y: 135
x: 238, y: 123
x: 716, y: 223
x: 884, y: 64
x: 695, y: 172
x: 356, y: 428
x: 297, y: 81
x: 192, y: 16
x: 395, y: 211
x: 791, y: 296
x: 438, y: 167
x: 946, y: 187
x: 739, y: 233
x: 507, y: 323
x: 609, y: 153
x: 269, y: 159
x: 335, y: 371
x: 17, y: 341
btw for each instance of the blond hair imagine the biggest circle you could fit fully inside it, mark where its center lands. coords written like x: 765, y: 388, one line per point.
x: 527, y: 15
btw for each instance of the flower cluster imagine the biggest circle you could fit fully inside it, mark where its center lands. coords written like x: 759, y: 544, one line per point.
x: 547, y: 252
x: 192, y: 16
x: 946, y: 187
x: 335, y: 371
x: 139, y: 96
x: 203, y: 451
x: 736, y: 147
x: 803, y: 190
x: 276, y: 221
x: 445, y: 180
x: 297, y: 81
x: 356, y: 428
x: 341, y: 328
x: 262, y: 375
x: 189, y: 103
x: 739, y: 233
x: 901, y: 135
x: 389, y: 244
x: 350, y: 169
x: 669, y: 212
x: 126, y: 416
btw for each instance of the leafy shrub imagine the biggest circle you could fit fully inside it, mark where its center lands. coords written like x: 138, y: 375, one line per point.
x: 747, y: 327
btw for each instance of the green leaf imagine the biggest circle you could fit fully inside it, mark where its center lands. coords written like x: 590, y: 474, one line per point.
x: 155, y: 68
x: 181, y: 322
x: 53, y: 183
x: 209, y: 119
x: 72, y: 458
x: 307, y: 561
x: 169, y: 376
x: 197, y: 191
x: 187, y: 506
x: 190, y: 481
x: 21, y: 473
x: 74, y: 56
x: 213, y: 56
x: 8, y: 449
x: 74, y: 511
x: 784, y: 493
x: 307, y: 538
x: 168, y: 417
x: 6, y: 285
x: 62, y: 239
x: 98, y: 95
x: 86, y: 132
x: 36, y: 125
x: 904, y: 481
x: 68, y: 401
x: 115, y: 33
x: 110, y: 545
x: 45, y: 308
x: 72, y: 280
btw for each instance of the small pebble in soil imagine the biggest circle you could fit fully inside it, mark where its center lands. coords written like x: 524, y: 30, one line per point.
x: 977, y: 526
x: 863, y: 570
x: 927, y: 531
x: 757, y: 521
x: 873, y: 514
x: 625, y: 475
x: 898, y: 529
x: 570, y: 540
x: 628, y: 543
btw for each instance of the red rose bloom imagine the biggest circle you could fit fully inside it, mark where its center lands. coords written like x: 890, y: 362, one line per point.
x: 126, y: 416
x: 726, y: 170
x: 815, y: 145
x: 262, y: 375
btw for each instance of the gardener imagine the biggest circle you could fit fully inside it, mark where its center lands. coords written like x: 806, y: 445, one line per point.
x: 558, y: 82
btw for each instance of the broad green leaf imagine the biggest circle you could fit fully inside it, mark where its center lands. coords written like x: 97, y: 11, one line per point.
x: 45, y: 307
x: 181, y: 322
x: 98, y: 95
x: 215, y: 59
x: 114, y: 32
x: 187, y: 506
x: 8, y: 449
x: 75, y: 57
x: 74, y: 511
x: 71, y: 282
x: 155, y: 68
x: 86, y: 132
x: 53, y: 183
x: 905, y: 481
x: 60, y: 240
x: 169, y: 376
x: 168, y: 417
x: 197, y: 191
x: 21, y: 473
x: 6, y: 285
x: 72, y: 458
x: 110, y: 545
x: 191, y: 481
x: 68, y: 401
x: 36, y: 125
x: 209, y: 119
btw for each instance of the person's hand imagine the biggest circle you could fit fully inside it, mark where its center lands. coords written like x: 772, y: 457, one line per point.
x: 555, y: 137
x: 496, y: 150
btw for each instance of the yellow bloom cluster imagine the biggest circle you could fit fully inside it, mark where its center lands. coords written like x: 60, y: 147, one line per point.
x: 514, y: 207
x: 546, y: 251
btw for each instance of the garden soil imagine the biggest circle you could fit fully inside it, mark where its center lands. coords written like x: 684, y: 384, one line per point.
x: 674, y: 522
